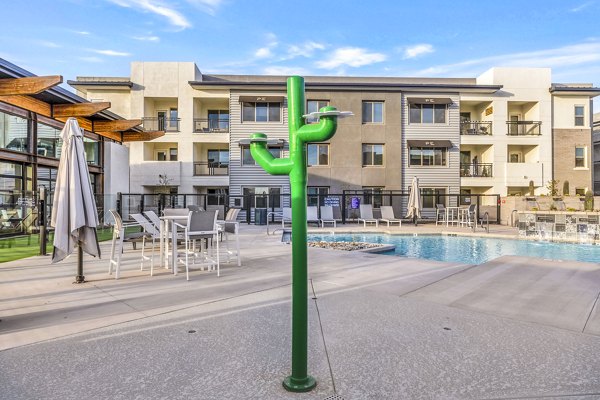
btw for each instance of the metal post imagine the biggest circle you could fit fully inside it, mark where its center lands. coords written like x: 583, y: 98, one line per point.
x: 42, y: 220
x: 79, y: 278
x: 119, y: 203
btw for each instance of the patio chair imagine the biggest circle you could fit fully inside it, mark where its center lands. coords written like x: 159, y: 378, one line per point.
x: 387, y: 215
x: 193, y: 207
x: 327, y: 216
x: 119, y: 237
x: 201, y: 225
x: 366, y: 215
x: 232, y: 226
x: 152, y: 217
x: 440, y: 213
x: 153, y: 234
x: 312, y: 215
x: 470, y: 216
x: 286, y: 216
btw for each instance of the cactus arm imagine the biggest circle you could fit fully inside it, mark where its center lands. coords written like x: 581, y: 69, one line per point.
x: 264, y: 158
x: 324, y: 130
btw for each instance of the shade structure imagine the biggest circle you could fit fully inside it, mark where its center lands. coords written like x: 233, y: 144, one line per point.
x: 74, y: 214
x: 414, y: 200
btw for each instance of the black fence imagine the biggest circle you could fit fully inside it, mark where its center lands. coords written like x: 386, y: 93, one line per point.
x: 345, y: 205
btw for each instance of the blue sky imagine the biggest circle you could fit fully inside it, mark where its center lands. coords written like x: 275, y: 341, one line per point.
x: 355, y: 38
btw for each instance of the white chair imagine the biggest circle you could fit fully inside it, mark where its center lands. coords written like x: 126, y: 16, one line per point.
x: 153, y: 234
x: 470, y: 216
x: 387, y: 215
x: 312, y: 215
x: 327, y: 216
x: 366, y: 215
x: 286, y: 216
x: 151, y: 215
x: 117, y: 243
x: 231, y: 225
x: 201, y: 225
x: 440, y: 213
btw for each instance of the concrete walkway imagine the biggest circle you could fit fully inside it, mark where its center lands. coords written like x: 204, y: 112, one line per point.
x: 381, y: 327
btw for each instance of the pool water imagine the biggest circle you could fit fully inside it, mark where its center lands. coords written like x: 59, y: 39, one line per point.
x: 469, y: 250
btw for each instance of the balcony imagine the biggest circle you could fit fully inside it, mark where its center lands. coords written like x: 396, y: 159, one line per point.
x: 212, y: 125
x: 478, y: 170
x: 161, y: 124
x: 210, y: 168
x: 476, y: 128
x: 524, y: 128
x: 519, y: 174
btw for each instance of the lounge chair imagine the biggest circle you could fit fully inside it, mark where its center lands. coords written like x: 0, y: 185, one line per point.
x: 387, y: 215
x: 366, y: 215
x: 327, y: 216
x: 312, y: 215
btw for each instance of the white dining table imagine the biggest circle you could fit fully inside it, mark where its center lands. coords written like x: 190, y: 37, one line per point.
x: 164, y: 239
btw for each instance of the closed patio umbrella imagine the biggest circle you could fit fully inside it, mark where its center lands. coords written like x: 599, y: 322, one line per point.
x: 74, y: 214
x: 414, y: 201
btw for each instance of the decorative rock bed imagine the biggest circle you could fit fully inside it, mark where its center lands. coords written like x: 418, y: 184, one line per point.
x: 352, y: 246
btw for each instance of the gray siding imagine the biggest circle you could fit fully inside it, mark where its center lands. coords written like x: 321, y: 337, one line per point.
x: 439, y: 177
x: 241, y: 176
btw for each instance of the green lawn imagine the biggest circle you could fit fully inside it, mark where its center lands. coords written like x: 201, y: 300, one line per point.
x: 15, y: 248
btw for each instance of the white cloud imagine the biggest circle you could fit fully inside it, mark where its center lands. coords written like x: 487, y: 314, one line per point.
x: 287, y: 71
x: 263, y: 52
x: 566, y: 56
x: 581, y: 6
x: 159, y: 8
x: 82, y: 33
x: 91, y: 59
x: 208, y: 6
x: 352, y: 57
x: 146, y: 38
x: 306, y: 49
x: 47, y: 43
x: 417, y: 50
x: 111, y: 53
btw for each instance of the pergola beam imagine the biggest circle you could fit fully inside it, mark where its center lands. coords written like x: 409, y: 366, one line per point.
x: 132, y: 136
x: 28, y: 85
x: 79, y: 109
x: 117, y: 125
x: 118, y: 136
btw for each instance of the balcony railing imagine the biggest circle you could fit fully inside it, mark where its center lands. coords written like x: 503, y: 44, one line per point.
x: 476, y: 170
x: 205, y: 125
x: 476, y: 128
x: 161, y: 124
x: 524, y: 128
x: 211, y: 168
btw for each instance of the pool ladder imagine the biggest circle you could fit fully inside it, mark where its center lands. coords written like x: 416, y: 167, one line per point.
x: 486, y: 217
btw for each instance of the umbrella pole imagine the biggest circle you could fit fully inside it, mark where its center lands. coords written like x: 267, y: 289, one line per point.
x: 79, y: 278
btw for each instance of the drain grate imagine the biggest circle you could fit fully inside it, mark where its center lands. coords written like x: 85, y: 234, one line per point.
x: 334, y: 397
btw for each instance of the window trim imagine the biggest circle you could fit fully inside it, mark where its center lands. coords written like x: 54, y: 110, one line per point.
x: 585, y: 158
x: 444, y: 150
x: 582, y: 116
x: 382, y: 165
x: 372, y: 112
x: 268, y: 121
x: 318, y: 145
x: 420, y: 105
x: 316, y: 120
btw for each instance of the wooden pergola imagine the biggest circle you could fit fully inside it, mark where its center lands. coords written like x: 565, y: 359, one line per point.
x: 31, y: 93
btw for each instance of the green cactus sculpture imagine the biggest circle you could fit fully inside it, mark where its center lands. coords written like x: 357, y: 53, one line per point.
x: 295, y: 167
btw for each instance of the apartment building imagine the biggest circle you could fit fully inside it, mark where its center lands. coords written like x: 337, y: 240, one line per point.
x: 497, y: 133
x: 596, y: 153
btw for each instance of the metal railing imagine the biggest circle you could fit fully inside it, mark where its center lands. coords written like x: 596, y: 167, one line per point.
x: 477, y: 170
x: 345, y: 205
x: 211, y: 168
x: 161, y: 124
x: 476, y: 128
x: 524, y: 128
x: 206, y: 125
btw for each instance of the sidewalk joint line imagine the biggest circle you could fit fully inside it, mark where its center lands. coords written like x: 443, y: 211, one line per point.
x: 323, y: 336
x: 591, y: 312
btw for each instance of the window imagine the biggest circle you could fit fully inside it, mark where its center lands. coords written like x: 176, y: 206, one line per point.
x: 580, y: 157
x: 92, y: 151
x: 166, y: 155
x: 465, y: 197
x: 262, y: 197
x: 428, y: 156
x: 173, y: 119
x: 579, y: 117
x: 432, y: 196
x: 261, y: 112
x: 216, y: 196
x: 317, y: 154
x: 49, y: 143
x: 218, y: 120
x: 13, y: 133
x: 247, y: 155
x: 372, y: 154
x: 372, y: 112
x: 314, y: 106
x: 427, y: 113
x: 372, y: 195
x: 514, y: 158
x: 579, y: 191
x: 218, y: 158
x: 316, y: 195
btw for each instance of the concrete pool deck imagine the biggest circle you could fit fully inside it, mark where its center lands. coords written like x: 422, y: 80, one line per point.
x: 381, y: 327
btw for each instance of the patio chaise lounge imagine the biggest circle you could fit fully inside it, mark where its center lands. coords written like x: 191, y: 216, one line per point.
x: 366, y: 215
x: 387, y: 215
x: 327, y: 216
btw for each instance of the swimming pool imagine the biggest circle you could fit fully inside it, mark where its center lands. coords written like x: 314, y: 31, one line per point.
x: 469, y: 250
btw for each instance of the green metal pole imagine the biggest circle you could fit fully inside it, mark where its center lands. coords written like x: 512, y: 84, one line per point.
x: 295, y: 167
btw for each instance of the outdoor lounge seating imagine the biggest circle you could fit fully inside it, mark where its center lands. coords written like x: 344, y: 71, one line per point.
x: 327, y: 216
x: 387, y: 215
x: 119, y: 237
x: 440, y: 213
x: 312, y: 215
x: 153, y: 234
x: 366, y: 215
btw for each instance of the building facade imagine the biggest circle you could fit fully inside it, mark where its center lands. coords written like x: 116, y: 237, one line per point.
x: 508, y: 131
